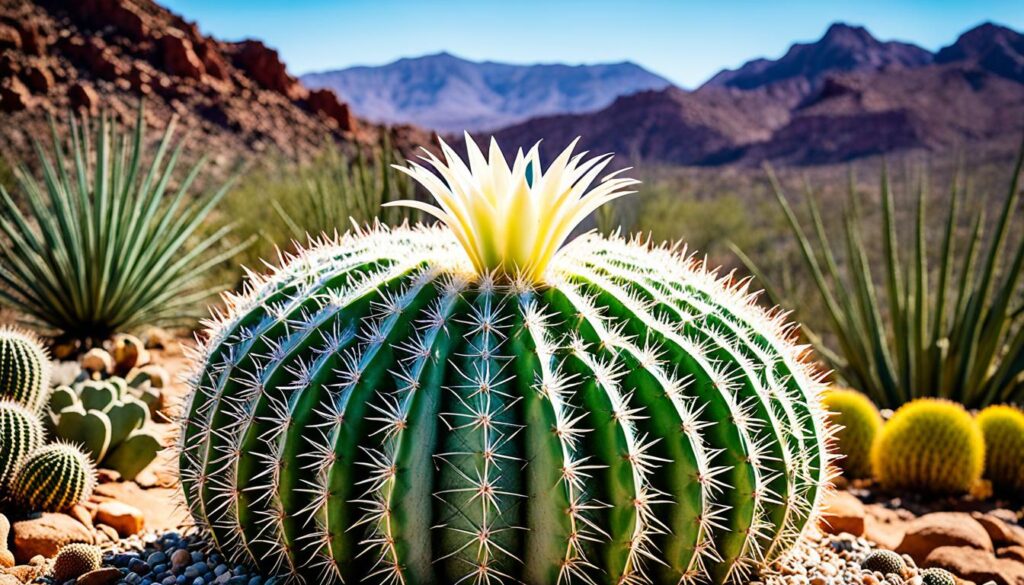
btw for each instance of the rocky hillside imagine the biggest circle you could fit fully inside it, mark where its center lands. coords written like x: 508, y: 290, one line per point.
x: 451, y: 94
x: 844, y: 97
x: 93, y: 55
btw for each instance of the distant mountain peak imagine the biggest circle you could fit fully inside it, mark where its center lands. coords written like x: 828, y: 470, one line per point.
x: 450, y: 94
x: 989, y: 46
x: 843, y: 48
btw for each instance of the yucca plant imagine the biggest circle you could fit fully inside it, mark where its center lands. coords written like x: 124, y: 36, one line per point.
x: 340, y: 189
x: 905, y: 331
x: 104, y: 242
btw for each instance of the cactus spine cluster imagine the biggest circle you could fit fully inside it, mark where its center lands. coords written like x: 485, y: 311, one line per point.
x: 381, y: 410
x: 858, y: 422
x: 929, y: 445
x: 1003, y: 429
x: 53, y: 479
x: 74, y: 560
x: 24, y: 369
x: 21, y: 433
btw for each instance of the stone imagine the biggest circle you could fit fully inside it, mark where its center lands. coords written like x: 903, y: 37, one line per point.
x: 265, y: 66
x: 126, y: 520
x: 943, y: 529
x: 97, y: 359
x: 14, y: 96
x: 1015, y: 553
x: 45, y: 534
x: 1001, y: 532
x: 976, y: 565
x: 180, y: 559
x: 843, y: 512
x: 82, y: 514
x: 6, y: 579
x: 10, y: 38
x: 39, y: 79
x: 155, y: 504
x: 5, y: 530
x: 180, y: 58
x: 104, y: 576
x: 326, y: 101
x: 6, y: 558
x: 108, y: 532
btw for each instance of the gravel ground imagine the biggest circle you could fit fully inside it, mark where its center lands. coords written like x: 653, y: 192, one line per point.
x: 834, y: 560
x: 172, y: 559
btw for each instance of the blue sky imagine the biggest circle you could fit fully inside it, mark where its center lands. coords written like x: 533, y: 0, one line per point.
x: 683, y: 40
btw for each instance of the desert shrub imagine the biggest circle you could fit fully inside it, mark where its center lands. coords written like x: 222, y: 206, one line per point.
x: 916, y: 315
x: 105, y: 239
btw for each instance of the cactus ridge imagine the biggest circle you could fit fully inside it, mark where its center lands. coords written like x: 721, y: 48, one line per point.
x: 21, y: 433
x: 54, y: 478
x: 24, y: 368
x: 373, y: 412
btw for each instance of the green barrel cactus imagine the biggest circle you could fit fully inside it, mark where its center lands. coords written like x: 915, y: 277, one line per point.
x: 53, y: 479
x: 1003, y: 429
x: 21, y: 433
x: 857, y: 421
x: 929, y: 445
x: 24, y: 369
x: 476, y: 403
x: 106, y: 420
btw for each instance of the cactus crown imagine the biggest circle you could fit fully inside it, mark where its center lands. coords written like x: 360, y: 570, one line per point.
x: 24, y: 368
x: 54, y: 478
x: 512, y: 220
x: 858, y: 422
x: 1003, y: 429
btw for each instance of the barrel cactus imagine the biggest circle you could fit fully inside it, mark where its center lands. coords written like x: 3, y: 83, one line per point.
x: 858, y: 422
x: 21, y: 433
x: 477, y: 403
x: 53, y: 479
x: 929, y: 445
x: 1003, y: 429
x: 24, y: 369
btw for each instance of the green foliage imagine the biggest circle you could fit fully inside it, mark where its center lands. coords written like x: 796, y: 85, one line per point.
x: 1003, y: 429
x: 322, y: 196
x: 21, y: 433
x: 859, y: 422
x: 957, y: 333
x: 885, y: 562
x: 107, y: 421
x: 74, y: 560
x: 53, y: 479
x: 24, y: 369
x: 106, y: 242
x: 365, y: 411
x: 929, y: 445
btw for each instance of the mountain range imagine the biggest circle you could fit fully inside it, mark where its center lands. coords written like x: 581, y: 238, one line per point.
x: 449, y: 94
x: 844, y: 96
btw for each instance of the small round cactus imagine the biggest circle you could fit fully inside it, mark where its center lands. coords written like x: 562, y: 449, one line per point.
x: 53, y: 479
x: 24, y: 369
x: 21, y: 433
x: 937, y: 577
x: 1003, y: 429
x: 75, y: 560
x: 929, y: 445
x: 885, y: 562
x: 859, y: 422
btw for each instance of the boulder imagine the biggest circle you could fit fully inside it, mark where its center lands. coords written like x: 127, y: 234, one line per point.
x: 843, y: 512
x: 265, y: 66
x: 1001, y: 532
x: 326, y: 101
x: 83, y: 97
x: 180, y: 58
x: 943, y: 529
x: 9, y: 37
x: 1014, y: 553
x: 6, y: 579
x: 6, y: 558
x: 45, y: 534
x: 39, y: 79
x: 126, y: 520
x: 976, y: 565
x: 14, y: 96
x: 104, y: 576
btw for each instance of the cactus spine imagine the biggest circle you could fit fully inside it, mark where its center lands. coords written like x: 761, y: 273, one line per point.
x: 380, y: 409
x: 1003, y: 429
x: 53, y: 479
x: 75, y: 560
x: 21, y: 433
x: 24, y: 369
